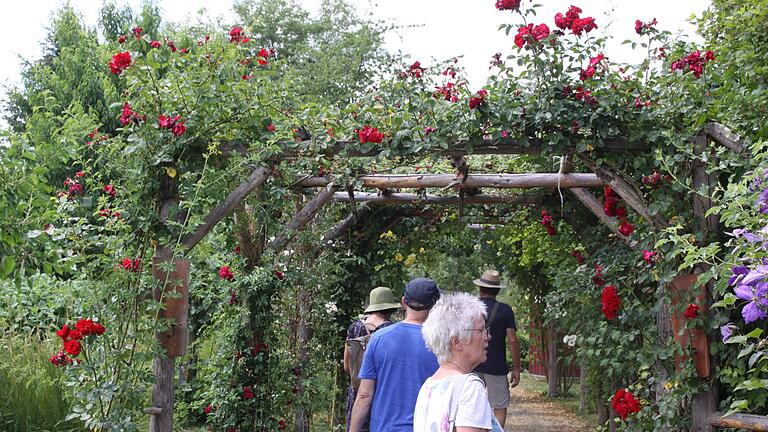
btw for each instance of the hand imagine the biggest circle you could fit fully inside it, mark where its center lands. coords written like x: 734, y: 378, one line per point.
x: 514, y: 378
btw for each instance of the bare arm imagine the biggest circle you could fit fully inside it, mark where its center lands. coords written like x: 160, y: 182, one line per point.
x: 362, y: 406
x: 470, y: 429
x: 346, y: 359
x: 514, y: 348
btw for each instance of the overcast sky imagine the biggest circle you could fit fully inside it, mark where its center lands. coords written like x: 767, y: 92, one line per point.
x: 439, y: 29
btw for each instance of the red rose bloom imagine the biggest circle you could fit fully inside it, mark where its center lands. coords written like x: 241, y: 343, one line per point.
x: 236, y: 34
x: 369, y: 135
x: 207, y: 409
x: 155, y: 44
x: 507, y: 4
x: 120, y: 62
x: 179, y: 129
x: 247, y: 393
x: 650, y: 257
x: 262, y: 57
x: 479, y: 100
x: 271, y: 127
x: 137, y: 32
x: 626, y: 228
x: 610, y: 302
x: 585, y: 25
x: 110, y: 190
x: 624, y: 403
x: 281, y: 424
x: 60, y: 359
x: 72, y: 347
x: 691, y: 311
x: 279, y: 275
x: 226, y: 273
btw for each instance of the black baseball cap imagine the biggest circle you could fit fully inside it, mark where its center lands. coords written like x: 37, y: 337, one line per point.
x: 421, y: 294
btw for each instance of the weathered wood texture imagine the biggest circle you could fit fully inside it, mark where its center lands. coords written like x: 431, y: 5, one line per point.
x: 739, y: 421
x: 407, y: 198
x: 162, y: 395
x: 473, y: 181
x: 224, y: 208
x: 303, y: 217
x: 344, y: 225
x: 627, y: 191
x: 596, y: 208
x: 724, y: 137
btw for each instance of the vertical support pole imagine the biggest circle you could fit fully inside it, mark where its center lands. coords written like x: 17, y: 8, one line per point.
x: 552, y: 369
x: 703, y: 404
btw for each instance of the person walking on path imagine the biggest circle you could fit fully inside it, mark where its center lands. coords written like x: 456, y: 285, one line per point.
x: 501, y: 322
x: 381, y: 306
x: 396, y: 364
x: 455, y: 399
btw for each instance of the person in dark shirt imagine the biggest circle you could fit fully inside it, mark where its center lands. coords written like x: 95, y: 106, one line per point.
x: 503, y: 330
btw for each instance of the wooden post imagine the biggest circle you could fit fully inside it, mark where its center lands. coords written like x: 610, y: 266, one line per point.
x: 552, y: 370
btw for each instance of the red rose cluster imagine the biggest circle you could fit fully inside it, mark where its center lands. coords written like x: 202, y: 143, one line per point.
x: 585, y: 95
x: 478, y: 100
x: 129, y: 115
x: 167, y: 122
x: 610, y: 302
x: 641, y: 27
x: 507, y: 4
x: 131, y: 265
x: 655, y: 179
x: 415, y: 70
x: 598, y: 279
x: 546, y: 220
x: 694, y: 62
x: 247, y: 393
x: 449, y: 91
x: 691, y: 311
x: 120, y: 62
x: 226, y: 273
x: 73, y: 186
x: 263, y: 56
x: 530, y: 34
x: 369, y: 134
x: 624, y: 403
x: 236, y: 36
x: 589, y: 72
x: 572, y: 21
x: 71, y: 339
x: 611, y: 208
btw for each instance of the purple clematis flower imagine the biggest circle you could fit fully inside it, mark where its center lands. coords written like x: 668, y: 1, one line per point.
x: 762, y: 201
x: 727, y: 330
x: 757, y: 304
x: 738, y: 271
x: 748, y: 236
x: 755, y: 276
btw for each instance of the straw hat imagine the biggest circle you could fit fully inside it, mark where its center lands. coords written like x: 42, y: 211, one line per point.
x: 490, y: 279
x: 381, y: 298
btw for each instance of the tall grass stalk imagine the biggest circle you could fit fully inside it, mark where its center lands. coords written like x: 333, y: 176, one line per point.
x: 33, y: 394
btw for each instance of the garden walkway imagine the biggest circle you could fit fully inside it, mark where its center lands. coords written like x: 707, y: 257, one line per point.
x: 529, y: 411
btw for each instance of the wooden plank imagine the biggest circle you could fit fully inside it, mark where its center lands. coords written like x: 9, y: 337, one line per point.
x: 596, y: 208
x: 725, y: 137
x: 408, y: 198
x: 473, y: 181
x: 303, y: 217
x: 224, y: 208
x: 739, y: 421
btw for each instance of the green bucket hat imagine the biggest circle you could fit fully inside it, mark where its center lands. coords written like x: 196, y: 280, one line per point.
x: 381, y: 298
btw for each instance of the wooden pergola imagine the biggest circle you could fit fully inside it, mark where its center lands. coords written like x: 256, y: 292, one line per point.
x: 469, y: 189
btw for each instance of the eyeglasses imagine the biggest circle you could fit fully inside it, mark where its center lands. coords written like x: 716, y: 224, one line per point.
x: 487, y: 330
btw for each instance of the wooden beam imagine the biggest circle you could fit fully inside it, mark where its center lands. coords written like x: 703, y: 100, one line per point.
x: 596, y: 208
x: 725, y: 137
x: 407, y: 198
x: 739, y: 421
x: 303, y: 217
x: 224, y: 208
x: 473, y: 181
x: 344, y: 225
x: 626, y: 191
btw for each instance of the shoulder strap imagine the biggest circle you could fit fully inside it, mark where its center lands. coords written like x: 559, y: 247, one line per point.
x: 493, y: 313
x: 458, y: 389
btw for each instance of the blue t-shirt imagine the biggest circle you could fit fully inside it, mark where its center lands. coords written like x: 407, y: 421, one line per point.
x: 398, y: 359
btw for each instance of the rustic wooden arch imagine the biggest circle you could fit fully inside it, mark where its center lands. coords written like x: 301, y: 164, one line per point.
x: 471, y: 191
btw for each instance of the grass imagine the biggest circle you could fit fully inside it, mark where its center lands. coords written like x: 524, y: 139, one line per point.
x: 569, y: 401
x: 33, y: 397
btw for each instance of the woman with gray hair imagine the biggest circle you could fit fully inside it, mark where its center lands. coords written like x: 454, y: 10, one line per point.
x: 455, y: 399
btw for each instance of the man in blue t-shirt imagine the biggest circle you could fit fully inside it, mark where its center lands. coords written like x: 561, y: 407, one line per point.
x: 396, y: 364
x: 501, y: 323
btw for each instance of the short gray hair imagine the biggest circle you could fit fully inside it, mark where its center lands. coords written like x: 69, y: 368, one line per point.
x: 451, y: 316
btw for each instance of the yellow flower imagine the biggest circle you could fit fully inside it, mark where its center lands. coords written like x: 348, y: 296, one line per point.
x: 398, y: 257
x: 490, y: 242
x: 421, y: 250
x: 389, y: 235
x: 410, y: 260
x: 668, y: 385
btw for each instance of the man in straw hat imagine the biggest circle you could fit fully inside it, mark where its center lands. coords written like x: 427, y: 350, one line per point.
x: 501, y: 324
x: 396, y: 364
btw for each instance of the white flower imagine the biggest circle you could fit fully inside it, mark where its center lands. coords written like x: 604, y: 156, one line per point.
x: 477, y: 247
x: 570, y: 340
x: 331, y: 307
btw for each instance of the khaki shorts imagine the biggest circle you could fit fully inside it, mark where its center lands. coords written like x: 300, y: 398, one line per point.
x: 498, y: 390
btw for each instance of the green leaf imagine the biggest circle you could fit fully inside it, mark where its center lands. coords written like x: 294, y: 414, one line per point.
x: 728, y: 299
x: 756, y: 333
x: 753, y: 384
x: 8, y: 265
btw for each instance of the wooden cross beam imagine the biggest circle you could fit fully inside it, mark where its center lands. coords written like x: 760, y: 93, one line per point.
x: 473, y: 181
x: 407, y: 198
x: 303, y: 217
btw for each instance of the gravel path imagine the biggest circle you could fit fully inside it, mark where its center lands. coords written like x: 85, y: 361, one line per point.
x: 530, y: 412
